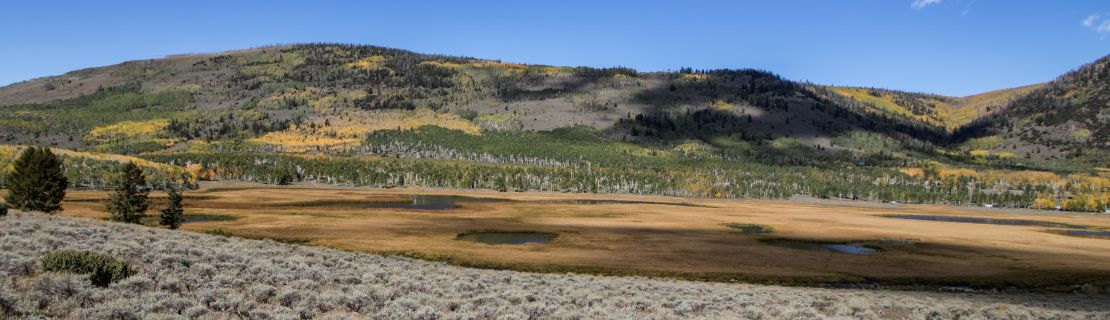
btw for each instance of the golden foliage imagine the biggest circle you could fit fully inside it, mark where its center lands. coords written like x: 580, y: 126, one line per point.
x: 1087, y: 202
x: 442, y: 64
x: 692, y: 76
x: 913, y: 172
x: 127, y: 130
x: 297, y: 140
x: 368, y: 63
x: 1044, y: 203
x: 973, y: 107
x: 979, y: 153
x: 405, y: 120
x: 722, y: 105
x: 885, y: 102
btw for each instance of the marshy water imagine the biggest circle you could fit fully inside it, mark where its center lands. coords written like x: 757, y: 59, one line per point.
x: 447, y: 202
x: 412, y: 202
x: 1104, y: 234
x: 506, y: 237
x: 980, y: 220
x: 1058, y: 228
x: 848, y: 248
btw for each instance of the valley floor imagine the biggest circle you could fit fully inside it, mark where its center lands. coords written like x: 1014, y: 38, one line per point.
x: 190, y: 275
x: 684, y: 238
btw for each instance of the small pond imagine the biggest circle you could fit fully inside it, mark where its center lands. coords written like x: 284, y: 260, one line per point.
x: 848, y: 248
x: 743, y: 228
x: 506, y: 237
x: 415, y: 202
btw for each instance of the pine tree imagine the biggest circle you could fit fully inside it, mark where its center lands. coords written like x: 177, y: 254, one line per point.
x: 129, y: 199
x: 37, y: 183
x: 172, y: 214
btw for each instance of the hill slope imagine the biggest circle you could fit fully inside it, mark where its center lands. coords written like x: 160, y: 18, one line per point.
x: 1068, y: 118
x: 940, y: 111
x: 181, y: 274
x: 325, y: 112
x: 332, y: 95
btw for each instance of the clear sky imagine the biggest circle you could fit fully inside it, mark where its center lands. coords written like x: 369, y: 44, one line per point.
x: 953, y: 47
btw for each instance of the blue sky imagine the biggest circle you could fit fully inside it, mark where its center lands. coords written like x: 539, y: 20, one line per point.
x: 954, y: 47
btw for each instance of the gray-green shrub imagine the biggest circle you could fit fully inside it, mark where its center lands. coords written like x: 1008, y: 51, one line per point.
x: 102, y: 269
x: 229, y: 278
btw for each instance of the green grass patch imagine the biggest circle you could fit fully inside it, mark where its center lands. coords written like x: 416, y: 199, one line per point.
x: 744, y: 228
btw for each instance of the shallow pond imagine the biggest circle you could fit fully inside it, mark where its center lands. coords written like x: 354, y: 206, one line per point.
x: 1103, y: 234
x: 504, y: 237
x: 848, y: 248
x: 980, y: 220
x: 415, y: 202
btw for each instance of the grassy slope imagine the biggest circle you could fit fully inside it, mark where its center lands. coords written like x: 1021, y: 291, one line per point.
x: 193, y: 275
x: 975, y: 106
x: 950, y: 112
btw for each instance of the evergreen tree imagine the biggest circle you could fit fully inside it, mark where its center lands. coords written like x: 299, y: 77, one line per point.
x: 37, y: 183
x: 172, y: 214
x: 129, y: 199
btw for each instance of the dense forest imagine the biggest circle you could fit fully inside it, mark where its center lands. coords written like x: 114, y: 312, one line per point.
x: 373, y: 116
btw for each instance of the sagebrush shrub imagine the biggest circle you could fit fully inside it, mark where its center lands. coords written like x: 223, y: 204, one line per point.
x: 188, y: 275
x: 102, y: 269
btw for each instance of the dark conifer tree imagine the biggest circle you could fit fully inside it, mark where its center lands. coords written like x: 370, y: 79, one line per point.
x: 129, y: 199
x: 172, y: 215
x: 37, y: 183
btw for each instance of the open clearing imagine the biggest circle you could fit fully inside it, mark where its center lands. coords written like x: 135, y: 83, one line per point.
x: 184, y: 275
x: 661, y: 236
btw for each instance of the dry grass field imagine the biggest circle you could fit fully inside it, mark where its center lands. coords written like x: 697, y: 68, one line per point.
x: 185, y: 275
x: 660, y: 236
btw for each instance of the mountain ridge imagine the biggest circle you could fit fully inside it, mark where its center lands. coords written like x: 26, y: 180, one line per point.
x: 338, y: 105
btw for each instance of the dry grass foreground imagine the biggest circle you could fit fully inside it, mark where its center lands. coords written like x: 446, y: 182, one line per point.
x: 665, y: 240
x: 182, y: 275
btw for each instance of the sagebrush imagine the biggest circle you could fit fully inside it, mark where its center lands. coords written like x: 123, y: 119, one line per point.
x: 181, y: 275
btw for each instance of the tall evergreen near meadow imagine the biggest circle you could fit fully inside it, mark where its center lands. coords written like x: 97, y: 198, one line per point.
x: 129, y: 199
x: 37, y: 183
x: 171, y: 215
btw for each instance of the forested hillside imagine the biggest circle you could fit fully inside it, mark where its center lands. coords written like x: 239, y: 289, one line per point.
x: 1067, y: 119
x: 365, y: 115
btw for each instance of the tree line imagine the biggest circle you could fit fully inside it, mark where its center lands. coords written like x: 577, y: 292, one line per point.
x: 38, y: 184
